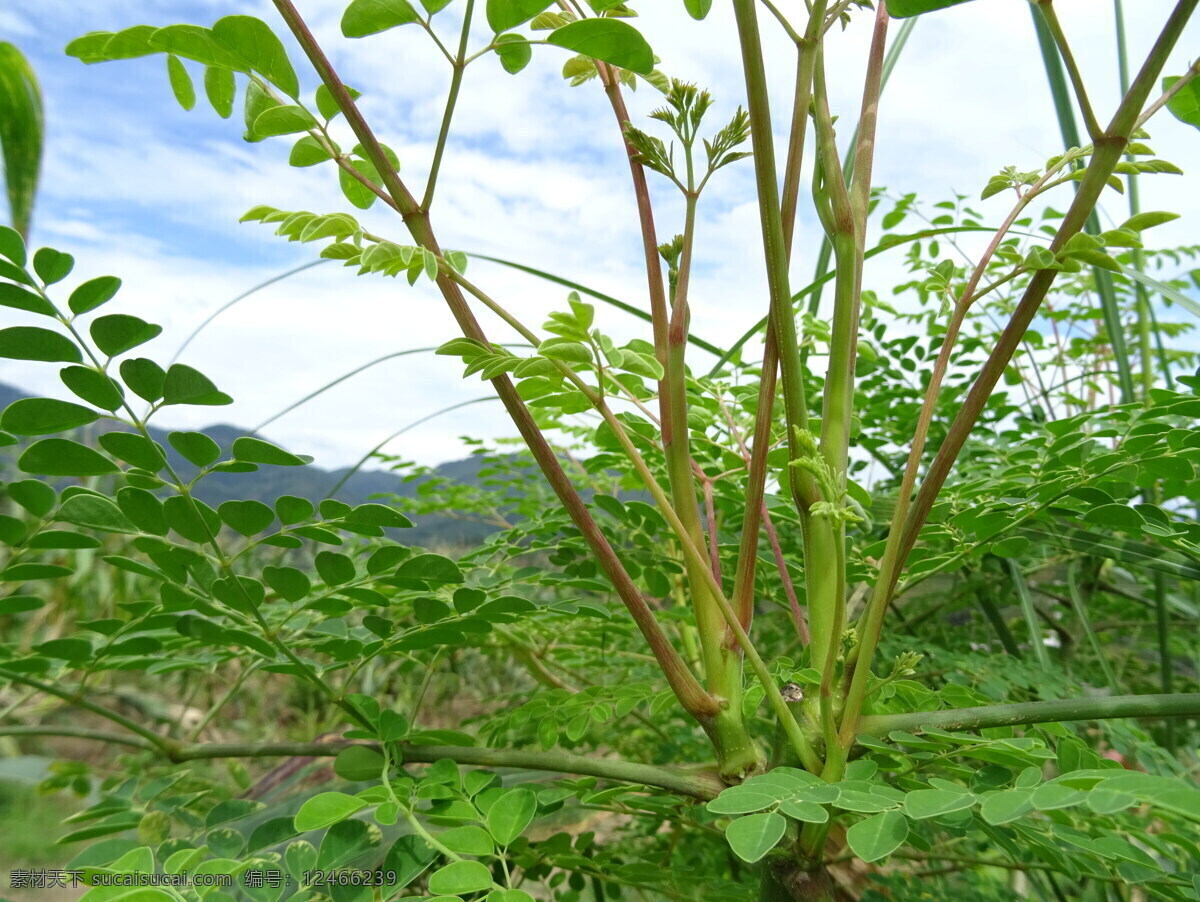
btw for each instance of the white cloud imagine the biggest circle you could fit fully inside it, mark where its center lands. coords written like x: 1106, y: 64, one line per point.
x: 535, y: 172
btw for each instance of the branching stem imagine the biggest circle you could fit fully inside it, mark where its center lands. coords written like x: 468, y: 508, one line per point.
x: 689, y: 691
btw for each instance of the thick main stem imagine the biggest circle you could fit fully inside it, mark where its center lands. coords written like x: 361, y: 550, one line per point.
x: 756, y: 478
x: 737, y: 753
x: 826, y: 580
x: 783, y: 319
x: 775, y: 246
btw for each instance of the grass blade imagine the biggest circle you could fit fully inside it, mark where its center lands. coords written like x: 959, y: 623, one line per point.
x: 1070, y: 131
x: 996, y: 619
x: 241, y: 297
x: 1030, y: 613
x: 593, y: 293
x: 354, y: 372
x: 20, y: 134
x: 1079, y: 603
x: 1127, y: 553
x: 1175, y: 297
x: 887, y: 244
x: 1146, y: 322
x: 399, y: 432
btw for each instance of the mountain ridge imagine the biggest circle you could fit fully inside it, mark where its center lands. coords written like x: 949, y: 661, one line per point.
x: 310, y: 481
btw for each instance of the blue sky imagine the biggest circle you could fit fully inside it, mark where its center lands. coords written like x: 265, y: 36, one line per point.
x: 136, y: 187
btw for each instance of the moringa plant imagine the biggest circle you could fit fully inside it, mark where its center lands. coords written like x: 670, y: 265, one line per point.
x: 753, y: 551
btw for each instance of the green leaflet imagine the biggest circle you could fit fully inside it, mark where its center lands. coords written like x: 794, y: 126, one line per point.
x: 902, y: 9
x: 52, y: 265
x: 63, y: 457
x: 367, y: 17
x: 505, y: 14
x: 247, y: 517
x: 94, y: 512
x: 254, y: 41
x: 608, y: 40
x: 92, y: 293
x: 1185, y: 105
x: 117, y: 333
x: 460, y: 878
x: 34, y: 343
x: 753, y: 836
x: 511, y: 814
x: 184, y: 385
x: 514, y: 52
x: 878, y: 836
x: 196, y: 447
x: 181, y: 82
x: 327, y: 809
x: 43, y: 416
x: 358, y: 763
x: 220, y: 88
x: 254, y: 450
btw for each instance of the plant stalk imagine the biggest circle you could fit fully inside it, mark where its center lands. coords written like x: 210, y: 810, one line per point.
x: 683, y: 682
x: 1067, y: 709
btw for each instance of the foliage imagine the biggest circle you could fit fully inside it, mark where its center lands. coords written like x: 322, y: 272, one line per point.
x: 905, y: 608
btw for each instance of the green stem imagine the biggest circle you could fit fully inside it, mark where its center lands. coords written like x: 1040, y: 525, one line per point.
x: 975, y: 862
x: 659, y: 313
x: 721, y: 678
x: 755, y: 488
x: 362, y: 461
x: 996, y: 619
x: 825, y: 576
x: 697, y: 784
x: 598, y: 295
x: 821, y: 270
x: 1145, y: 328
x: 241, y: 297
x: 83, y: 733
x: 838, y: 398
x: 756, y: 475
x: 221, y: 702
x: 1163, y: 99
x: 1060, y: 39
x: 787, y: 719
x: 460, y: 67
x: 775, y: 247
x: 782, y: 316
x: 340, y: 379
x: 158, y: 742
x: 1068, y: 709
x: 864, y: 138
x: 1144, y: 322
x: 845, y: 217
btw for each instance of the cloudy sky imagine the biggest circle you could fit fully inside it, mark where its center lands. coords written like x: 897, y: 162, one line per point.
x: 136, y: 187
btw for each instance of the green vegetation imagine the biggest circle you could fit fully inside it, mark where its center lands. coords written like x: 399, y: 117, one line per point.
x: 903, y: 607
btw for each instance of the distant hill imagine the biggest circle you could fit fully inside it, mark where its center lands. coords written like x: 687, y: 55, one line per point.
x: 311, y: 482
